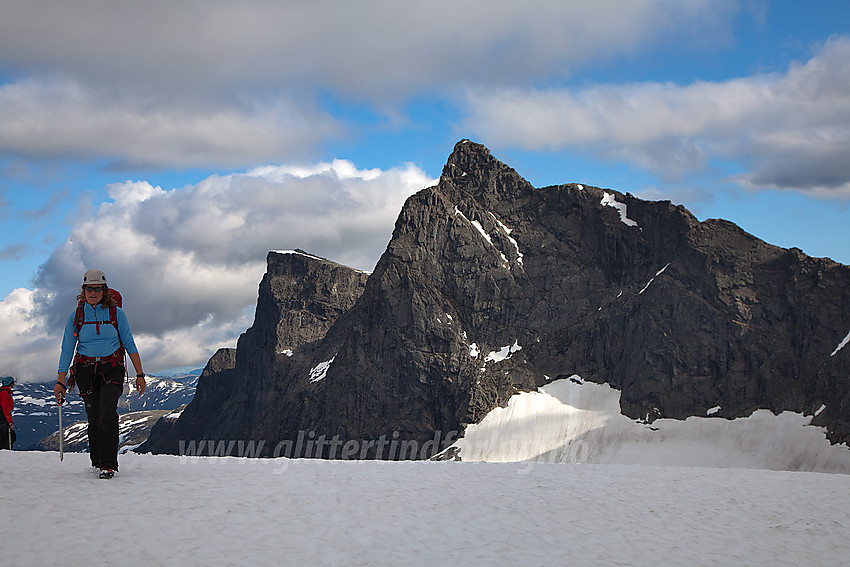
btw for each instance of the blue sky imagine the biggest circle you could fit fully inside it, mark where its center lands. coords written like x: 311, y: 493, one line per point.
x: 173, y: 144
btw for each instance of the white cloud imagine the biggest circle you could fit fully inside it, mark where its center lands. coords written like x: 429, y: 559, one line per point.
x: 788, y: 131
x: 24, y: 346
x: 65, y: 119
x: 230, y: 84
x: 15, y: 317
x: 361, y: 48
x: 189, y: 261
x: 193, y: 345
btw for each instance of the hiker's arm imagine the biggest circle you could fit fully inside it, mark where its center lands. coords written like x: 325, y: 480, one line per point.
x: 69, y: 344
x: 140, y: 379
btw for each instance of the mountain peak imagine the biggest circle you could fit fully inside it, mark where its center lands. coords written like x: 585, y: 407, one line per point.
x: 472, y: 170
x: 489, y: 288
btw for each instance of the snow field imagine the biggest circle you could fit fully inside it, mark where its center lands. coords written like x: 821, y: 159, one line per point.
x: 579, y: 484
x: 169, y: 510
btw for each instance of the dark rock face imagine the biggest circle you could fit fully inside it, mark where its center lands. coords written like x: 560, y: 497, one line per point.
x: 490, y: 286
x: 214, y: 391
x: 300, y: 297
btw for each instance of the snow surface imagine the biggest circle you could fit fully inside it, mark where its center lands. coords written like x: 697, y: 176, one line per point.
x: 591, y: 493
x: 201, y: 511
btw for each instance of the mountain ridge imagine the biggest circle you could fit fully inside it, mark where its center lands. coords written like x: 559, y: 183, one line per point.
x: 37, y: 415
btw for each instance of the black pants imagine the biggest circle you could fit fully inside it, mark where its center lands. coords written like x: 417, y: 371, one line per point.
x: 101, y: 384
x: 7, y: 434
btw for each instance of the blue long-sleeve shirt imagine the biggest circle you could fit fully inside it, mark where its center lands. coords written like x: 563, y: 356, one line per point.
x: 96, y: 340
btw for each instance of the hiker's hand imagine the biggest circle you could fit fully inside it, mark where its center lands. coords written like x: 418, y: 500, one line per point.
x: 140, y: 384
x: 59, y: 392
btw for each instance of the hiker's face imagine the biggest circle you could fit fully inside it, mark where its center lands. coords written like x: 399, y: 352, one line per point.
x: 94, y: 293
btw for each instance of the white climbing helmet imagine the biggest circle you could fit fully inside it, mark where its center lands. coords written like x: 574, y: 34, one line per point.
x: 94, y: 277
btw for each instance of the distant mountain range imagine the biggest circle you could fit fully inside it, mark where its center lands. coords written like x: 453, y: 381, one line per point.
x: 37, y: 415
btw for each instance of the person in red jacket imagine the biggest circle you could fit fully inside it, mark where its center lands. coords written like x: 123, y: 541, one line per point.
x: 7, y: 426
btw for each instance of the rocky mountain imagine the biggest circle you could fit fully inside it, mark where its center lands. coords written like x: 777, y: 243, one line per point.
x: 490, y: 287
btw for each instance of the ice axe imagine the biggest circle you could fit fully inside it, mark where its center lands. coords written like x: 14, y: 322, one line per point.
x: 61, y: 430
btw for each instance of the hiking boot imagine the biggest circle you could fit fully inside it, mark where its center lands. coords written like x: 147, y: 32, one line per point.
x: 106, y: 473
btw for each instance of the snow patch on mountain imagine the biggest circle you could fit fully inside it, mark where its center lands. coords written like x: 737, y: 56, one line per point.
x: 609, y: 200
x: 503, y: 353
x: 320, y: 371
x: 508, y: 232
x: 652, y: 279
x: 576, y: 421
x: 842, y: 345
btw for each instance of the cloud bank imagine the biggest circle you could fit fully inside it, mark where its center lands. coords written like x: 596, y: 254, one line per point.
x: 211, y: 82
x: 787, y: 131
x: 189, y: 261
x: 65, y: 119
x: 367, y: 49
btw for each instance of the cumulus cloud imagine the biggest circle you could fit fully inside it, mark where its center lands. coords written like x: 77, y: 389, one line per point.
x: 24, y: 346
x: 787, y: 131
x: 189, y: 261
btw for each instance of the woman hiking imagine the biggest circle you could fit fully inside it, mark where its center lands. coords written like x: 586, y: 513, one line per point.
x: 99, y: 331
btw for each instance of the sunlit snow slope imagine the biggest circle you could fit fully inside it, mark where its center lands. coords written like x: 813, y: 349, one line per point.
x: 576, y: 421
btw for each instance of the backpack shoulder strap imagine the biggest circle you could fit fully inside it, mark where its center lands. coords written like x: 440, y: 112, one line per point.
x: 113, y: 318
x: 79, y: 317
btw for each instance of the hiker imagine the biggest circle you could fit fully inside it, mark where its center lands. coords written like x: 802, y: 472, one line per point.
x: 99, y: 330
x: 7, y: 426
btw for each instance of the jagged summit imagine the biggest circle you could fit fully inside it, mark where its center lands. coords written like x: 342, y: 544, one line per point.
x: 468, y: 157
x: 490, y: 287
x: 471, y: 168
